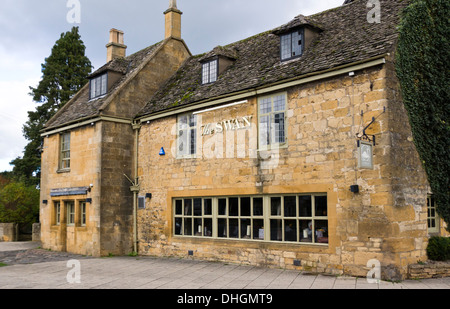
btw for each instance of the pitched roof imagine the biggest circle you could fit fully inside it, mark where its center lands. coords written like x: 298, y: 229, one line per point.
x: 346, y: 37
x: 81, y: 107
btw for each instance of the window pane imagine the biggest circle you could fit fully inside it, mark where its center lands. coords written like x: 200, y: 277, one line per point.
x: 233, y: 228
x: 222, y: 207
x: 321, y: 228
x: 286, y: 46
x: 264, y: 130
x: 104, y: 80
x: 188, y: 226
x: 305, y: 230
x: 245, y: 206
x: 275, y: 206
x: 178, y: 225
x: 188, y: 207
x: 246, y: 229
x: 258, y: 229
x: 290, y: 230
x: 178, y: 207
x: 207, y: 210
x: 207, y: 228
x: 234, y: 206
x: 265, y: 105
x: 213, y: 71
x: 296, y: 44
x: 304, y: 206
x: 279, y: 128
x: 257, y: 206
x: 198, y: 227
x: 290, y: 206
x: 205, y: 73
x: 321, y: 206
x: 279, y: 103
x: 222, y: 228
x: 197, y: 207
x: 275, y: 230
x: 193, y: 141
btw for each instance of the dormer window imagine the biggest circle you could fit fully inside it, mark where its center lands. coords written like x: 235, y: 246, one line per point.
x: 209, y: 71
x: 98, y: 86
x: 292, y: 44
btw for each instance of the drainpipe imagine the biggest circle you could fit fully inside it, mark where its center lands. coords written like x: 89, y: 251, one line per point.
x: 135, y: 185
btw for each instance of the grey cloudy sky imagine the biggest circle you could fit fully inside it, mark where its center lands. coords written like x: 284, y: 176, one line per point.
x: 30, y: 28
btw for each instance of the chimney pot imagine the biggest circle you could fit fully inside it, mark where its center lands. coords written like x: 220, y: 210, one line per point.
x: 115, y: 48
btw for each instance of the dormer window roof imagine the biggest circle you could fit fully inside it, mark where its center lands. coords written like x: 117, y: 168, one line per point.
x: 216, y: 62
x: 296, y: 36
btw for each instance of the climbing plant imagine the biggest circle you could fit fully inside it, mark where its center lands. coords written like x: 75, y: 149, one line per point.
x: 422, y: 66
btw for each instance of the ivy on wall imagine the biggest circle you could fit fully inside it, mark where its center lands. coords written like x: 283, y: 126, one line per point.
x: 422, y: 66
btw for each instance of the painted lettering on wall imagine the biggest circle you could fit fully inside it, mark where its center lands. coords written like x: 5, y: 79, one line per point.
x: 227, y: 125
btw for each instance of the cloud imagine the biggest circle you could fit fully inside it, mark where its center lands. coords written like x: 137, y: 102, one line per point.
x: 30, y: 28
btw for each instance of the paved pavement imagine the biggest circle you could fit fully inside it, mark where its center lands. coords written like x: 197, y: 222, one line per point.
x: 28, y: 267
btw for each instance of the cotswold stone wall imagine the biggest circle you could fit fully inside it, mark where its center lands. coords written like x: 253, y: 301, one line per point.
x: 8, y: 232
x: 385, y: 221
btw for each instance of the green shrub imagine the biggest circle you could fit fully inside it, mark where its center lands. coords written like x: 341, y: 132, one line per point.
x: 439, y: 248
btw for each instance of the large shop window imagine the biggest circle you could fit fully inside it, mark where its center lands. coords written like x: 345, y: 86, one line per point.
x: 272, y: 121
x: 278, y: 218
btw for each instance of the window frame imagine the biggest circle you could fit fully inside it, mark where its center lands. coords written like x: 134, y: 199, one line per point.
x: 57, y: 213
x: 83, y: 212
x: 190, y: 129
x: 64, y: 151
x: 289, y: 36
x: 98, y: 86
x: 70, y: 211
x: 264, y: 133
x: 251, y: 226
x: 210, y: 73
x: 432, y: 216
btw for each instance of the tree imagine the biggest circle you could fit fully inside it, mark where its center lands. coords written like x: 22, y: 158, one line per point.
x: 64, y: 73
x: 423, y: 70
x: 19, y: 203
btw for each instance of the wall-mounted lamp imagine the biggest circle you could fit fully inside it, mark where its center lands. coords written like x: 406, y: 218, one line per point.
x: 45, y: 202
x: 162, y: 152
x: 354, y: 189
x: 148, y: 195
x: 89, y: 200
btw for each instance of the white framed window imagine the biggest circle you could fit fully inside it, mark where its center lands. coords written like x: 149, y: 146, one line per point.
x: 83, y: 213
x: 64, y: 161
x: 186, y: 136
x: 209, y: 71
x: 291, y: 218
x: 70, y: 208
x: 432, y: 216
x: 272, y: 121
x: 98, y: 86
x: 291, y: 45
x: 57, y: 212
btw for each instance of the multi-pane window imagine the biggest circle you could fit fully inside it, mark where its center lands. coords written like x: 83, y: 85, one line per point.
x: 278, y: 218
x: 432, y: 216
x: 291, y: 45
x: 187, y: 135
x: 64, y: 163
x: 83, y: 213
x: 272, y: 121
x: 98, y: 86
x: 70, y: 207
x: 209, y: 72
x: 57, y: 206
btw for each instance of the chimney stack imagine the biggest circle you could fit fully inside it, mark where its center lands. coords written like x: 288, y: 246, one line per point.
x: 115, y: 48
x: 173, y: 20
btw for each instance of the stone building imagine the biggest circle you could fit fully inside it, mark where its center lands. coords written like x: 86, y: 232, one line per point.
x: 289, y: 149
